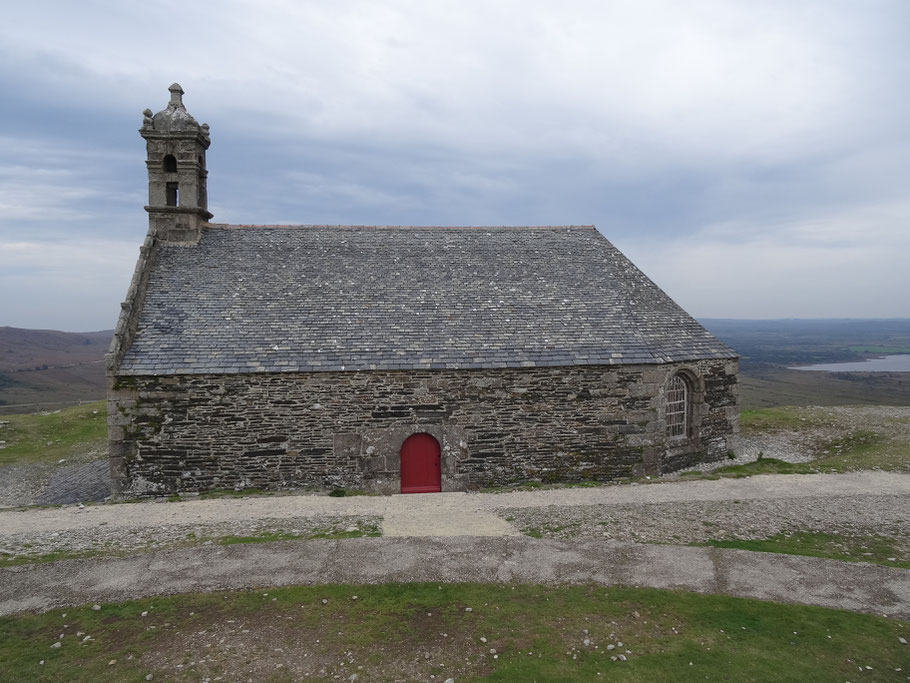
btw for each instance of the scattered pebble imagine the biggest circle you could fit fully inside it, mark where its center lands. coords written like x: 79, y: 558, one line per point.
x: 96, y: 607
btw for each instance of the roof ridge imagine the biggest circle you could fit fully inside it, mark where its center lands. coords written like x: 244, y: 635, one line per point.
x: 236, y: 226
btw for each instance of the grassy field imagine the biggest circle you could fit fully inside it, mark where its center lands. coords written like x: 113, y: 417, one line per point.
x: 837, y: 443
x: 769, y: 386
x: 463, y: 631
x: 875, y: 549
x: 73, y: 432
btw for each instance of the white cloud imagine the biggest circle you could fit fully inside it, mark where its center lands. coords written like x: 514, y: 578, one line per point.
x: 631, y: 81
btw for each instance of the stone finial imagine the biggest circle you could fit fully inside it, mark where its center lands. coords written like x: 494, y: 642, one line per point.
x: 147, y: 121
x: 176, y: 95
x: 174, y: 118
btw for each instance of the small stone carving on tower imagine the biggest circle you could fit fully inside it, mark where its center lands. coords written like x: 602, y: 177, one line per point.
x: 175, y: 157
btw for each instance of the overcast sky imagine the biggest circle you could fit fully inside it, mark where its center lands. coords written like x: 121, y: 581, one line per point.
x: 752, y: 157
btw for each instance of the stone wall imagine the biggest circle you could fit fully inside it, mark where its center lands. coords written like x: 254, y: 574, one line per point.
x: 290, y: 430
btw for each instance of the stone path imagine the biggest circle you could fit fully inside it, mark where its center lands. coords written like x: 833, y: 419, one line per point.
x: 782, y: 578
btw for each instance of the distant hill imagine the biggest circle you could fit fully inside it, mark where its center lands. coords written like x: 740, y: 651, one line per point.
x: 44, y: 369
x: 804, y: 342
x: 768, y: 348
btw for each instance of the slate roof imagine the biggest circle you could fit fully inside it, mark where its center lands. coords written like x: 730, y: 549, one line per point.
x: 328, y: 298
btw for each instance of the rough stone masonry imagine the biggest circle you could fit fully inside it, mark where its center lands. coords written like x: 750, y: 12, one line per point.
x: 290, y: 430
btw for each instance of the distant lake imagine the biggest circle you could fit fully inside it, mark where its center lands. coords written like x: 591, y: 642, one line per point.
x: 898, y: 363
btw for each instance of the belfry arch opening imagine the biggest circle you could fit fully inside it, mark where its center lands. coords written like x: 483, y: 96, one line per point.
x: 170, y: 164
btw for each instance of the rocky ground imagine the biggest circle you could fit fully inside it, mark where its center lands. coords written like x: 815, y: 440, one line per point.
x: 123, y: 540
x: 699, y: 521
x: 819, y: 426
x: 81, y: 479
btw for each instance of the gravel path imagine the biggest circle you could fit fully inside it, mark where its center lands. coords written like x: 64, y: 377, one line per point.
x: 692, y: 522
x: 870, y: 502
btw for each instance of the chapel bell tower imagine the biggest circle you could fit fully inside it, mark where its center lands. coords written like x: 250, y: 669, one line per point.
x: 175, y: 148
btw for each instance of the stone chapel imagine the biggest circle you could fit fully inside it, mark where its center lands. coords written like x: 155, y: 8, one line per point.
x: 392, y: 358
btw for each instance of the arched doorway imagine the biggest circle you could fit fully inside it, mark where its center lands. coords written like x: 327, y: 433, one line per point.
x: 420, y: 470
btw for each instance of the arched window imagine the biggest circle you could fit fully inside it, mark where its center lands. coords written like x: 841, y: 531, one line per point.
x: 170, y: 164
x: 678, y: 408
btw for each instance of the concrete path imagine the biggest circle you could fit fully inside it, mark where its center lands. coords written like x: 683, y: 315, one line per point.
x: 442, y: 514
x: 782, y: 578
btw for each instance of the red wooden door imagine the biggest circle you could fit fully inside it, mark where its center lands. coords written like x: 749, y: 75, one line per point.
x: 420, y: 472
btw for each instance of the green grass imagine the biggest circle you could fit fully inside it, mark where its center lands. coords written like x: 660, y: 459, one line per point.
x: 226, y: 493
x: 864, y: 450
x: 875, y: 549
x: 861, y: 449
x: 533, y: 485
x: 242, y: 493
x: 763, y: 466
x: 411, y: 631
x: 9, y: 560
x: 773, y: 419
x: 269, y: 536
x: 48, y: 437
x: 550, y: 530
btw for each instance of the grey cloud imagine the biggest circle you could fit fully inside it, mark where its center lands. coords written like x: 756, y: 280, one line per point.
x: 769, y: 136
